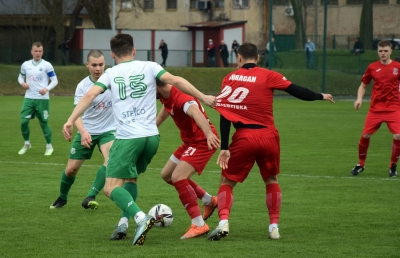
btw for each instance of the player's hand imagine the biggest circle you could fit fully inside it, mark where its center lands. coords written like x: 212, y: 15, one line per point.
x: 223, y: 159
x: 210, y: 100
x: 43, y: 91
x: 67, y: 130
x: 357, y: 104
x: 212, y: 141
x: 86, y: 139
x: 327, y: 97
x: 25, y: 85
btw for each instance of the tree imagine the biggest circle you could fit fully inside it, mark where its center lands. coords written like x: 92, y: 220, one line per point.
x: 299, y: 32
x: 367, y: 24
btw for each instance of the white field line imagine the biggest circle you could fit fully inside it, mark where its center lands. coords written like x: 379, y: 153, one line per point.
x: 212, y: 171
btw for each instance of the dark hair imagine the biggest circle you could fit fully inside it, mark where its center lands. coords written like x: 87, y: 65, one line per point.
x: 384, y: 43
x: 121, y: 44
x: 248, y: 51
x: 94, y: 53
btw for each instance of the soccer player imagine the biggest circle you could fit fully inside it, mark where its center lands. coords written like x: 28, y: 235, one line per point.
x: 133, y: 89
x: 246, y: 101
x: 384, y: 107
x: 96, y: 127
x: 37, y: 100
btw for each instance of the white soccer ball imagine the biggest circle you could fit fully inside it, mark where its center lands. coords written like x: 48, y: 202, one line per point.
x: 163, y: 215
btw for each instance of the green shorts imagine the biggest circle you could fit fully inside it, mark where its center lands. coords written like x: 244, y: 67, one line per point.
x: 80, y: 152
x: 130, y: 157
x: 36, y: 107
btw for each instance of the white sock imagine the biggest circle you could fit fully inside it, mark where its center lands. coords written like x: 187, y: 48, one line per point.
x: 206, y: 199
x: 123, y: 220
x: 49, y: 146
x: 198, y: 221
x: 222, y: 222
x: 27, y: 142
x: 139, y: 216
x: 271, y: 226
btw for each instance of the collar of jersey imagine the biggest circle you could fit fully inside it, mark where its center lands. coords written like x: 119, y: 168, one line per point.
x: 35, y: 64
x: 249, y: 65
x: 127, y: 61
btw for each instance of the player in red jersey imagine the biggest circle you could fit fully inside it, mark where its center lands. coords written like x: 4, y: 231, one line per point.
x: 246, y: 101
x: 384, y: 107
x: 200, y: 141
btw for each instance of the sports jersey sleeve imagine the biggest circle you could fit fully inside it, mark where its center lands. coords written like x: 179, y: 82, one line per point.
x: 104, y: 81
x: 367, y: 77
x: 277, y: 81
x: 158, y: 71
x: 78, y: 94
x: 23, y: 71
x: 50, y: 70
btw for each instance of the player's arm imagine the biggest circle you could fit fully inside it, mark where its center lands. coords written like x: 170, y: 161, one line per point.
x: 360, y: 95
x: 53, y: 82
x: 82, y: 105
x: 224, y: 155
x: 194, y: 112
x: 186, y: 87
x: 86, y: 138
x: 21, y: 78
x: 307, y: 94
x: 162, y: 116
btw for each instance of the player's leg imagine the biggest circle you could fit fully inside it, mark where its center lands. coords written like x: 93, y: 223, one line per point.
x: 43, y: 112
x: 27, y: 113
x: 372, y: 123
x: 393, y: 123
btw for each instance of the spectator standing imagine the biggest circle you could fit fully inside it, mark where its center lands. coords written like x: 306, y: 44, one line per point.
x: 310, y: 50
x: 223, y: 50
x: 267, y: 49
x: 211, y: 53
x: 64, y: 48
x: 235, y: 47
x: 358, y: 47
x: 164, y: 52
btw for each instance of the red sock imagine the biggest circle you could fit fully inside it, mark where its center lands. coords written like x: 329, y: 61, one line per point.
x: 362, y: 150
x: 395, y: 152
x: 199, y: 191
x: 274, y: 200
x: 188, y: 197
x: 225, y: 200
x: 170, y: 182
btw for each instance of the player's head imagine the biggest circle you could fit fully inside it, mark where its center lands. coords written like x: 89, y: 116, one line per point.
x: 95, y: 63
x: 122, y: 45
x: 163, y: 89
x: 247, y: 53
x: 37, y: 51
x: 384, y: 50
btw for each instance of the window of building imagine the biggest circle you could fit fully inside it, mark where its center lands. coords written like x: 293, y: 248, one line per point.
x: 282, y: 2
x: 126, y: 5
x: 398, y: 1
x: 330, y: 2
x: 237, y: 4
x: 348, y: 2
x: 148, y: 5
x: 193, y: 4
x: 171, y: 4
x: 380, y: 2
x: 220, y: 4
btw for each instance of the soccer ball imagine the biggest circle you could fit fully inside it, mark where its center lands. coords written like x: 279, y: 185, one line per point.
x: 163, y: 215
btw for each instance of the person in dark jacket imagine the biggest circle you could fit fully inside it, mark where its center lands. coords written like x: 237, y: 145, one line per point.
x: 164, y: 52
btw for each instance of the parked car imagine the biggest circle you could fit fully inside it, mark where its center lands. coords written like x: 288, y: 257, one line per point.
x: 395, y: 42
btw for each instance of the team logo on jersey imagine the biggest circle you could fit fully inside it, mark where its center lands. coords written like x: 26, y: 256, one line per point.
x: 45, y: 114
x: 40, y: 69
x: 73, y: 150
x: 395, y: 71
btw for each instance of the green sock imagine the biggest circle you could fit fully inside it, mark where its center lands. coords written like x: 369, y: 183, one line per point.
x: 25, y: 130
x: 46, y: 131
x: 98, y: 182
x: 124, y: 201
x: 66, y: 183
x: 133, y: 190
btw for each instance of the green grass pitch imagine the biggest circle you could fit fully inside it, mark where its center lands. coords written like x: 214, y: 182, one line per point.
x: 325, y: 212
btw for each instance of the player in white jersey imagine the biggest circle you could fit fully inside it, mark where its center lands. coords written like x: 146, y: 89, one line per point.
x: 36, y: 102
x: 133, y: 89
x: 95, y: 127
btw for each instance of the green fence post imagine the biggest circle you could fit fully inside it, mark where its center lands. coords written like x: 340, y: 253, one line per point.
x: 148, y: 55
x: 188, y: 58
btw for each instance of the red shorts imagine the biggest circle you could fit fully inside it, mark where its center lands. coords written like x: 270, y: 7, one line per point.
x: 196, y: 154
x: 374, y: 120
x: 253, y: 145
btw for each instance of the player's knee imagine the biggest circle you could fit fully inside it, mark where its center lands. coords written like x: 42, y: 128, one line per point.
x: 24, y: 121
x: 366, y: 135
x: 396, y: 136
x: 71, y: 171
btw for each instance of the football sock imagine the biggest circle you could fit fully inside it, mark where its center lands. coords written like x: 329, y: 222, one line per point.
x: 98, y: 182
x: 201, y: 194
x: 274, y: 200
x: 65, y: 185
x: 395, y: 152
x: 188, y: 197
x: 123, y: 220
x: 222, y: 222
x: 170, y: 182
x: 49, y: 146
x: 198, y: 221
x: 133, y: 190
x: 25, y: 131
x: 46, y: 131
x: 362, y: 150
x: 27, y: 142
x: 139, y: 216
x: 225, y: 201
x: 124, y: 201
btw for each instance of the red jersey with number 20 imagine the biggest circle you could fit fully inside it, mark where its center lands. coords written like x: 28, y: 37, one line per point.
x: 385, y: 91
x: 247, y: 95
x: 176, y: 105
